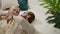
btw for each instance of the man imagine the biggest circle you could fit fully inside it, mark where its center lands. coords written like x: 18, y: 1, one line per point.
x: 29, y: 16
x: 22, y: 24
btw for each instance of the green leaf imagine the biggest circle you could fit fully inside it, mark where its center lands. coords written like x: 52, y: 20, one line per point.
x: 47, y: 12
x: 57, y: 25
x: 46, y: 6
x: 42, y: 4
x: 48, y: 1
x: 50, y: 17
x: 54, y: 2
x: 50, y: 21
x: 58, y: 2
x: 54, y: 9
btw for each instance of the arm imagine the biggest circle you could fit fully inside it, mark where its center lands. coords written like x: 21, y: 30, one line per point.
x: 3, y: 14
x: 24, y: 23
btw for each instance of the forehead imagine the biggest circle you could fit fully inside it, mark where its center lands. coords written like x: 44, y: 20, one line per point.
x: 15, y: 7
x: 12, y: 9
x: 25, y: 12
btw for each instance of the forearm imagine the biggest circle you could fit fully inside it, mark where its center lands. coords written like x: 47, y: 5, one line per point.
x: 24, y: 23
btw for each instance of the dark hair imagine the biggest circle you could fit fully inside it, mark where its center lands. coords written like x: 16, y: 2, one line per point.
x: 30, y: 19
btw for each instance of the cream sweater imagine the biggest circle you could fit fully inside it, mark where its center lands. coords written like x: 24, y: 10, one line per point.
x: 20, y: 26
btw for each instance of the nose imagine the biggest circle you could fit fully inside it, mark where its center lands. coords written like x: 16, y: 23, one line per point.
x: 14, y: 12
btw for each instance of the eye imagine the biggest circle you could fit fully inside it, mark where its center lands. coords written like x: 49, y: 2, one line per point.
x: 17, y: 11
x: 24, y: 12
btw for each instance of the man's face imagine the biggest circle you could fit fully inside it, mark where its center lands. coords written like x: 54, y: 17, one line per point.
x: 14, y: 11
x: 25, y: 15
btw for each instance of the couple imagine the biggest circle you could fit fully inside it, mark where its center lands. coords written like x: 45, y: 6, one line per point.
x: 14, y: 24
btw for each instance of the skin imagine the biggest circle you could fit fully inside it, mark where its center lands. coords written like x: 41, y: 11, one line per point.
x: 0, y: 16
x: 13, y: 11
x: 25, y: 15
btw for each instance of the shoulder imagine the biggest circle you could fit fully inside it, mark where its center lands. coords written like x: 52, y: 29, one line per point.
x: 18, y: 18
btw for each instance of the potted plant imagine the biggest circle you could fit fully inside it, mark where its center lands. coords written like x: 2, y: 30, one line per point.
x: 53, y: 7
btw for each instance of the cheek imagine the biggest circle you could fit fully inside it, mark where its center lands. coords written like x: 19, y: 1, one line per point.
x: 13, y: 12
x: 24, y: 14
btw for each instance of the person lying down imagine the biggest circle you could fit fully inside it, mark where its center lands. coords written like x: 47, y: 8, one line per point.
x: 15, y: 24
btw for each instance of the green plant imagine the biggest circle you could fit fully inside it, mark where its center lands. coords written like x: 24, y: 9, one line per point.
x: 53, y: 7
x: 0, y: 4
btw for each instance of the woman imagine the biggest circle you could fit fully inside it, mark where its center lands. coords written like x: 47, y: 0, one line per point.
x: 5, y: 23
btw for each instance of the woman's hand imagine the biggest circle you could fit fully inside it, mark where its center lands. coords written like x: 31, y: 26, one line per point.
x: 9, y: 18
x: 0, y: 16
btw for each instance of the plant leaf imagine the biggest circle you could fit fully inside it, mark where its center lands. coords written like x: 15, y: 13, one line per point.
x: 42, y: 4
x: 50, y: 17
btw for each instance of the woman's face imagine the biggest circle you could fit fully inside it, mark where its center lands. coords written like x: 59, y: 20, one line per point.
x: 14, y: 11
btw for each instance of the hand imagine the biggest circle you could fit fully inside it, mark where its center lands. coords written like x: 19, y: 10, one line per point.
x: 0, y: 16
x: 9, y: 18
